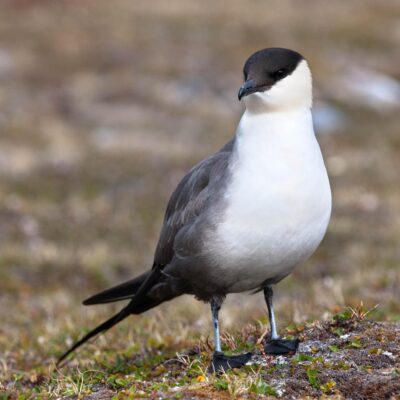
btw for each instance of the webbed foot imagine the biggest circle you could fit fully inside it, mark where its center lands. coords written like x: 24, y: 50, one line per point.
x: 222, y: 362
x: 281, y: 346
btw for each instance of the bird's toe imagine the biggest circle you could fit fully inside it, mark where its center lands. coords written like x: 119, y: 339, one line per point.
x: 222, y: 362
x: 281, y: 346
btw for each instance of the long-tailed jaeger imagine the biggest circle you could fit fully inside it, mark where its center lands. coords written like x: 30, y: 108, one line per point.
x: 243, y: 218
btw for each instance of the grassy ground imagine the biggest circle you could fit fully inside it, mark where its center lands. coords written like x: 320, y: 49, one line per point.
x: 103, y: 107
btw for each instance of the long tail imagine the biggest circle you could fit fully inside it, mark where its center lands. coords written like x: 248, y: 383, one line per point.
x: 139, y: 303
x: 123, y: 291
x: 99, y: 329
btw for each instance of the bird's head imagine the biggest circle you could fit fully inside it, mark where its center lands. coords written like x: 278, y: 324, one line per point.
x: 276, y: 79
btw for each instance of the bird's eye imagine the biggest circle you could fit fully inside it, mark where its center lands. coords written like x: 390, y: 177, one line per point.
x: 279, y: 74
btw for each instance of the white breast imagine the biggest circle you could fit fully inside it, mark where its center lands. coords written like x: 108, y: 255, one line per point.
x: 278, y: 201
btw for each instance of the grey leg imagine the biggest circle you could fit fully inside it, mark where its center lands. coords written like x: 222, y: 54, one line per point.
x: 276, y: 345
x: 268, y: 294
x: 215, y: 306
x: 220, y: 361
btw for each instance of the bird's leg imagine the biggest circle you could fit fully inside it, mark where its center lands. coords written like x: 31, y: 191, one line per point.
x: 215, y: 307
x: 220, y: 361
x: 269, y: 294
x: 276, y: 345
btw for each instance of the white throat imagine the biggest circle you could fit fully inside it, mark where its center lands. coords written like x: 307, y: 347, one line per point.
x: 294, y: 91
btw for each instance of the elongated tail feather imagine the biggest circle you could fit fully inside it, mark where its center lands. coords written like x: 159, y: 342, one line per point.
x: 139, y: 303
x: 99, y: 329
x: 120, y: 292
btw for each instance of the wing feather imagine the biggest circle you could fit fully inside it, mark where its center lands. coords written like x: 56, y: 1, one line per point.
x: 188, y: 201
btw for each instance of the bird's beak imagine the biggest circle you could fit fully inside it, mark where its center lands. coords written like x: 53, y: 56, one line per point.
x: 246, y: 88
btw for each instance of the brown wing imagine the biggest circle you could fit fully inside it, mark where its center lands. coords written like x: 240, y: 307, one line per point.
x: 188, y: 200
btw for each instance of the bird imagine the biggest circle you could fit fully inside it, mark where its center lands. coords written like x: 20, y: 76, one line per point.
x: 242, y: 219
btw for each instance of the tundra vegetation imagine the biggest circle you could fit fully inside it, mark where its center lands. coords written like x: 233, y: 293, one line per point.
x: 103, y: 107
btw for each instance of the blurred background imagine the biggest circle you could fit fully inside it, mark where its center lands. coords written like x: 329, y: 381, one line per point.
x: 105, y: 105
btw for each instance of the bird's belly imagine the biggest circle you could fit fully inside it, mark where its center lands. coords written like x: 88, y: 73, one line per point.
x: 270, y: 226
x: 255, y: 256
